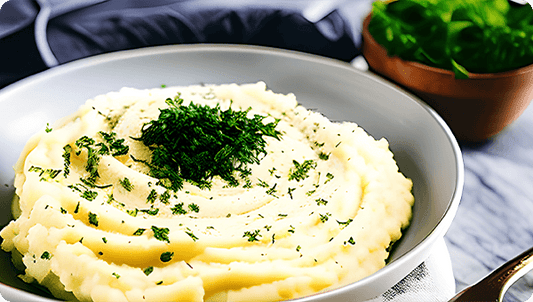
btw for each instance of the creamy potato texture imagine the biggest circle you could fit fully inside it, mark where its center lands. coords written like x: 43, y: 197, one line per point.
x: 319, y: 211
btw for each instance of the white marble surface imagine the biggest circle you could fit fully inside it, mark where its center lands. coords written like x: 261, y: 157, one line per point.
x: 494, y: 221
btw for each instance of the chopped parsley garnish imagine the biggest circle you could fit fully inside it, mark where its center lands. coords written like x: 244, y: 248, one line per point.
x: 45, y: 174
x: 299, y: 172
x: 126, y: 184
x: 147, y: 271
x: 329, y: 177
x: 194, y: 207
x: 67, y: 149
x: 116, y: 146
x: 252, y: 236
x: 48, y: 129
x: 161, y: 234
x: 116, y: 275
x: 321, y: 201
x: 152, y: 196
x: 104, y: 239
x: 178, y: 209
x: 63, y: 211
x: 77, y: 209
x: 344, y: 224
x: 323, y: 156
x: 191, y: 234
x: 151, y: 211
x: 324, y: 217
x: 46, y: 255
x: 195, y: 143
x: 139, y: 232
x: 350, y: 241
x: 166, y: 256
x: 93, y: 219
x: 290, y: 190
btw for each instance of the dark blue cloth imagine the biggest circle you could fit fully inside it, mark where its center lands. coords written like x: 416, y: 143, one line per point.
x: 78, y: 29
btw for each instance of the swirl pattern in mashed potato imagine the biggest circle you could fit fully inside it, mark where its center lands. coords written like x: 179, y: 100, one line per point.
x: 320, y: 210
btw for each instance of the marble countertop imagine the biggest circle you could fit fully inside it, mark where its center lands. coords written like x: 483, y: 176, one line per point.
x: 494, y: 222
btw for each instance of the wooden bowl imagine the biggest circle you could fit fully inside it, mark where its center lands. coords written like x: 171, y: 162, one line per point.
x: 475, y: 108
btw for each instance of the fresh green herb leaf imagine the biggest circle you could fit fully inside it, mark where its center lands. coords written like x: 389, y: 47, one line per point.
x: 178, y: 209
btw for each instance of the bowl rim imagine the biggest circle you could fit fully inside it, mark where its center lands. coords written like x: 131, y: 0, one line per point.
x: 418, y: 251
x: 445, y: 72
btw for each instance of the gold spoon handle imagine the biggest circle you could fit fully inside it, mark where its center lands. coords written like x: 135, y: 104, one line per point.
x: 494, y: 286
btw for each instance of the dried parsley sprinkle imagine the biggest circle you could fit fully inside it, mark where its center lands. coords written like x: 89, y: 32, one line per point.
x: 321, y: 201
x: 323, y: 156
x: 46, y: 255
x: 126, y: 184
x: 191, y: 234
x: 344, y: 224
x: 152, y: 196
x: 166, y: 256
x: 161, y: 234
x: 67, y: 149
x: 350, y: 241
x: 93, y: 219
x: 329, y: 177
x: 48, y: 129
x: 178, y: 209
x: 147, y: 271
x: 252, y: 236
x: 195, y: 143
x: 194, y: 207
x: 139, y: 232
x: 324, y: 217
x: 299, y: 172
x: 116, y: 275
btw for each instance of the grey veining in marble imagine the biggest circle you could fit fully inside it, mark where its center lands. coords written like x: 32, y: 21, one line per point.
x: 494, y: 221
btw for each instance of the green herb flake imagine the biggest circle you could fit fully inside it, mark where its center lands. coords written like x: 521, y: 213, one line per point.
x: 324, y: 217
x: 93, y: 219
x: 166, y: 256
x: 194, y: 207
x: 191, y: 234
x: 126, y: 184
x: 161, y: 234
x: 63, y: 211
x: 104, y: 239
x: 147, y: 271
x: 48, y: 129
x: 178, y: 209
x: 252, y: 236
x: 139, y: 232
x: 351, y: 241
x: 116, y: 275
x: 300, y: 171
x: 152, y: 197
x: 329, y: 177
x: 344, y: 224
x: 321, y: 201
x: 67, y: 150
x: 46, y: 255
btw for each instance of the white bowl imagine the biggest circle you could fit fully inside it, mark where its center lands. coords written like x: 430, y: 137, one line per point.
x: 424, y: 147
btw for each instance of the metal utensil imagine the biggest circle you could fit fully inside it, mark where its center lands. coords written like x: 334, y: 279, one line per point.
x: 494, y: 286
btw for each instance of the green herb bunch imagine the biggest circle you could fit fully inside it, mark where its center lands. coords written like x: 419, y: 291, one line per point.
x: 195, y: 143
x: 480, y: 36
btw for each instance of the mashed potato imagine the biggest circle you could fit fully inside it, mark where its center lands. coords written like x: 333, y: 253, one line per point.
x: 318, y: 211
